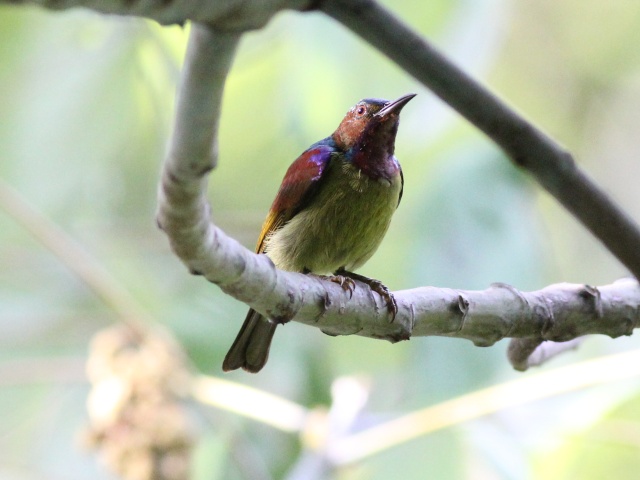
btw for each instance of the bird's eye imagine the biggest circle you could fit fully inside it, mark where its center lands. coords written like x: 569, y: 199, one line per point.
x: 361, y: 109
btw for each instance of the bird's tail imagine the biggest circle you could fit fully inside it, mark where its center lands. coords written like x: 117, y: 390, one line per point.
x: 250, y: 349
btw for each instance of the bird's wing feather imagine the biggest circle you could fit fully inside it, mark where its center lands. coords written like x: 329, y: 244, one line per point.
x: 298, y: 187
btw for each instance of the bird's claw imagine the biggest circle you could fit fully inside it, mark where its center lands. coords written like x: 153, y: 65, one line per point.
x: 375, y: 286
x: 378, y: 287
x: 347, y: 284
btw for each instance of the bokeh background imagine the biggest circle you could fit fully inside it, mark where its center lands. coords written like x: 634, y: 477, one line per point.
x: 85, y: 115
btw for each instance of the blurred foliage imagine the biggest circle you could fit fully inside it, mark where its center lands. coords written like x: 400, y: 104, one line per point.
x: 86, y: 112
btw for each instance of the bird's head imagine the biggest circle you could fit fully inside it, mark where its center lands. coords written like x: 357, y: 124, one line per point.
x: 370, y: 126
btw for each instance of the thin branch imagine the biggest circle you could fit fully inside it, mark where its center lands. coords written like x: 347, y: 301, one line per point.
x: 532, y: 352
x: 477, y: 404
x: 527, y: 146
x: 349, y: 398
x: 74, y: 257
x: 333, y: 442
x: 250, y: 402
x: 329, y: 434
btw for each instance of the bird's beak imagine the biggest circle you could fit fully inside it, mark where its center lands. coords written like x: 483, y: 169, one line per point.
x: 395, y: 106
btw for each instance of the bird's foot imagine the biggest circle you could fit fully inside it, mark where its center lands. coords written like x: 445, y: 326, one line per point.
x: 375, y: 286
x: 347, y: 283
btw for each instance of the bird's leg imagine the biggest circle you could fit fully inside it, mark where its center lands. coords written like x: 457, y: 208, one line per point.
x: 375, y: 285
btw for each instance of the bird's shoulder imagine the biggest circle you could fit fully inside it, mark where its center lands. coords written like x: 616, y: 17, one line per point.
x: 298, y: 186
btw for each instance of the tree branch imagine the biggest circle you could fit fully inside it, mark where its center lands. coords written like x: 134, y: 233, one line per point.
x: 559, y: 312
x: 74, y: 257
x: 227, y: 15
x: 531, y: 352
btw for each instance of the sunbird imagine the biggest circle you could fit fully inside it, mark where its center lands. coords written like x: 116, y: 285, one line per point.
x: 330, y: 214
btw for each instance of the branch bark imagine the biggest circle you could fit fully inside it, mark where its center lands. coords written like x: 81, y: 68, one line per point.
x: 531, y: 352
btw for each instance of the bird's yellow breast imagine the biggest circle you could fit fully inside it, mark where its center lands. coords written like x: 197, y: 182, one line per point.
x: 341, y: 227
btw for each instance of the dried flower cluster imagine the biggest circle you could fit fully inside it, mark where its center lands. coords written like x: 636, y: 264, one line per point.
x: 138, y: 422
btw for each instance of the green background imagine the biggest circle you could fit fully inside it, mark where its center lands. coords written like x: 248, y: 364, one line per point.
x: 86, y: 111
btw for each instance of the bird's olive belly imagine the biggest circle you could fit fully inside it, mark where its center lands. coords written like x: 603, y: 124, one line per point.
x: 341, y: 228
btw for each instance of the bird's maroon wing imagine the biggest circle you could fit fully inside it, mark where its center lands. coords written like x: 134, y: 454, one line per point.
x: 297, y: 188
